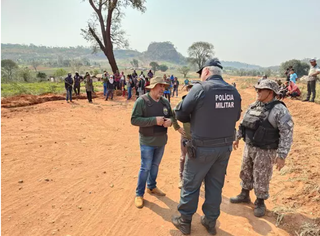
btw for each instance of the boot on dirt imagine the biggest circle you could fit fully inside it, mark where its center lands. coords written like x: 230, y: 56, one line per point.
x: 156, y: 191
x: 138, y: 201
x: 260, y: 208
x: 210, y: 226
x: 181, y: 224
x: 242, y: 197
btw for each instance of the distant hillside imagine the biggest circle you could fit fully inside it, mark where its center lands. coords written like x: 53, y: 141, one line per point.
x: 156, y: 51
x: 239, y: 65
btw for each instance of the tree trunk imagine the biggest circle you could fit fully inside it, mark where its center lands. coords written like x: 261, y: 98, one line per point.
x: 112, y: 61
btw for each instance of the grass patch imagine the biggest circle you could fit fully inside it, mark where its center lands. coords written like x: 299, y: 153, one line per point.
x: 37, y: 88
x: 40, y: 88
x: 309, y: 229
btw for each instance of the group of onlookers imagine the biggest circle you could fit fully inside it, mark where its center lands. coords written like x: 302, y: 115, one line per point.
x: 290, y: 88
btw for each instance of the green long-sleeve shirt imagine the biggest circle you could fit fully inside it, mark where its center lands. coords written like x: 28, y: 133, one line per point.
x: 176, y: 126
x: 137, y: 119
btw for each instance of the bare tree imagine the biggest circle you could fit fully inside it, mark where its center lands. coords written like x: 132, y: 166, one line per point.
x: 35, y: 64
x: 199, y: 53
x: 104, y: 31
x: 76, y: 65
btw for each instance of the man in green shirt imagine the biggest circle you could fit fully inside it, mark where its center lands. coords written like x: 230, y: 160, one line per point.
x: 152, y: 113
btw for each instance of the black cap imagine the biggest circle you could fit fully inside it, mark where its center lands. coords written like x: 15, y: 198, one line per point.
x: 211, y: 62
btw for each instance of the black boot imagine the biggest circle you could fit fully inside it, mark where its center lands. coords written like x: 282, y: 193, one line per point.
x: 181, y: 224
x: 210, y: 226
x: 260, y: 208
x: 242, y: 197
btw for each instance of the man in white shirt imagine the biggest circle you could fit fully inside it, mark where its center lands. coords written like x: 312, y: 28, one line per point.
x: 312, y: 79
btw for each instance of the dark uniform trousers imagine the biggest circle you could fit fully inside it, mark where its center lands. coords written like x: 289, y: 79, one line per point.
x: 210, y: 164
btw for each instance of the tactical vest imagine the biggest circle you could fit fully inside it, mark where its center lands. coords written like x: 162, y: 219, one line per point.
x: 257, y: 130
x: 152, y: 109
x: 215, y: 115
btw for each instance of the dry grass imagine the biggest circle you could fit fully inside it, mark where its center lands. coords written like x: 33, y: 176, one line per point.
x: 309, y: 229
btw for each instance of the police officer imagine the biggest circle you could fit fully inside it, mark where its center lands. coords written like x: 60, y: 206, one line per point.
x: 267, y: 129
x: 152, y: 113
x: 212, y: 107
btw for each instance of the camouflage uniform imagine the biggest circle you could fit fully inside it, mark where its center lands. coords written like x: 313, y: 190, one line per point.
x: 257, y: 163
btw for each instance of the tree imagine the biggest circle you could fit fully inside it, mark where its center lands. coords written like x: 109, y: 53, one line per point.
x: 155, y: 66
x: 76, y: 65
x: 199, y: 53
x: 8, y: 67
x: 301, y: 68
x: 163, y: 68
x: 25, y: 74
x: 35, y: 64
x: 134, y: 63
x: 184, y: 70
x: 60, y: 72
x: 42, y: 76
x: 104, y: 30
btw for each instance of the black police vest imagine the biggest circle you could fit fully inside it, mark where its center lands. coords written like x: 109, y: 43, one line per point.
x: 152, y: 108
x: 215, y: 116
x: 257, y: 130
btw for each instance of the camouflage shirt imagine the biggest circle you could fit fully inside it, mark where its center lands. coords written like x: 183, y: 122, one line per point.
x: 279, y: 118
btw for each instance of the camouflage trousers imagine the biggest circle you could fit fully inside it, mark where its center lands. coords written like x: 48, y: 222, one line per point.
x: 256, y: 170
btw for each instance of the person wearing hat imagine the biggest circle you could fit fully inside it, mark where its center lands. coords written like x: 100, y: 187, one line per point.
x: 212, y: 107
x: 111, y: 86
x: 152, y: 113
x: 68, y: 82
x: 267, y: 129
x: 312, y: 78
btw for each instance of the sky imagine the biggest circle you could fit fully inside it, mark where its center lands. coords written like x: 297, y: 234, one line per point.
x: 259, y: 32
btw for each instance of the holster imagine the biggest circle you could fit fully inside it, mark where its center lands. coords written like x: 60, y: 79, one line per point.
x: 191, y: 150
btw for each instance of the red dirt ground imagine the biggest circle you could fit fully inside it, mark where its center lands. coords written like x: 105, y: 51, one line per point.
x: 79, y: 164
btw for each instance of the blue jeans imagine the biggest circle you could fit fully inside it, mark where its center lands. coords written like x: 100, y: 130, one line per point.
x: 69, y: 94
x: 129, y: 92
x: 210, y: 164
x: 150, y: 161
x: 105, y: 90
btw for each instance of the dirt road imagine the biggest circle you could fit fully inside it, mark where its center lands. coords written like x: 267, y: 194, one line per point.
x: 78, y: 164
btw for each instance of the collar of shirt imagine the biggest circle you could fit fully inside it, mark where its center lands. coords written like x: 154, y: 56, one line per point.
x: 214, y: 77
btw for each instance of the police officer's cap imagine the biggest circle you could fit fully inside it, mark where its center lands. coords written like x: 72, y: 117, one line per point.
x: 211, y: 62
x: 268, y: 84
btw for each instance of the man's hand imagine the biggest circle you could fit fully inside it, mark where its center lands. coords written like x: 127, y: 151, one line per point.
x: 235, y: 144
x: 280, y: 163
x: 167, y: 123
x: 182, y: 132
x: 160, y: 120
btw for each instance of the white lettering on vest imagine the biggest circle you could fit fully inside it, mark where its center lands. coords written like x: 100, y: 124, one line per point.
x: 220, y: 101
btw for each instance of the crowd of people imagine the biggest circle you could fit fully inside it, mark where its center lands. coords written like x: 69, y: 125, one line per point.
x: 119, y: 81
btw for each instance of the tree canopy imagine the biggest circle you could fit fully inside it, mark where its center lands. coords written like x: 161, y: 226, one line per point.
x: 199, y: 53
x: 104, y: 29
